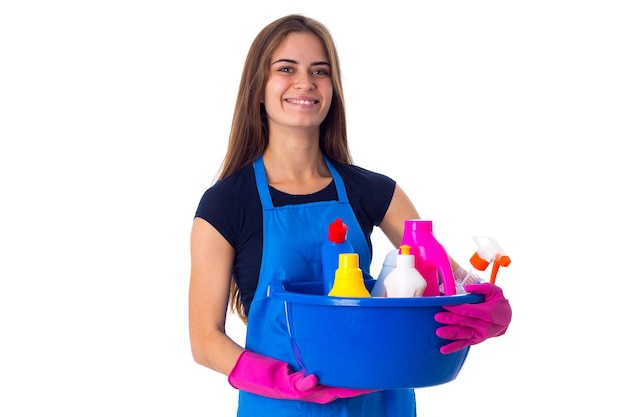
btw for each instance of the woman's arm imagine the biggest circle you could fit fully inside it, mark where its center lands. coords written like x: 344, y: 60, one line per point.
x: 211, y: 265
x: 400, y: 209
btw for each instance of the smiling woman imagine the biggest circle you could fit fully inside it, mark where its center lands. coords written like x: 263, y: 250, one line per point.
x: 287, y: 174
x: 116, y: 116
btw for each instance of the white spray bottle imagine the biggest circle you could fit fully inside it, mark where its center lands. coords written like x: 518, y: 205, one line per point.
x: 489, y: 251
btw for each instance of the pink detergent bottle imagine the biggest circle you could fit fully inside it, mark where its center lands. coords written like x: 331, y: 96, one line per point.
x: 431, y: 259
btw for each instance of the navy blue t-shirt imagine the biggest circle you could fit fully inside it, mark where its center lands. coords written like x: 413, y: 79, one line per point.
x: 232, y: 205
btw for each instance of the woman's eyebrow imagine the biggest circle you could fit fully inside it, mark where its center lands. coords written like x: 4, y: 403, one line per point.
x: 293, y: 61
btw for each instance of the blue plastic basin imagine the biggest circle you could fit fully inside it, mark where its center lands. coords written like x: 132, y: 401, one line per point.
x: 369, y: 343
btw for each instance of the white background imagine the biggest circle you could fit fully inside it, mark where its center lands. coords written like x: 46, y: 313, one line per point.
x: 499, y: 118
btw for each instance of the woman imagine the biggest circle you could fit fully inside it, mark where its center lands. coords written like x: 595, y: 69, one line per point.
x: 288, y: 166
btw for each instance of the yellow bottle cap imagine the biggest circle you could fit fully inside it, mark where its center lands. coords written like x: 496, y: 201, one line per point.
x: 349, y: 278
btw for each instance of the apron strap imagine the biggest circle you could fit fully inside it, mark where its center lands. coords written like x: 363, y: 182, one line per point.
x: 261, y: 183
x: 339, y: 186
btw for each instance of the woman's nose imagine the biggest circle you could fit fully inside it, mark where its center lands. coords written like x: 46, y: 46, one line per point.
x: 305, y: 81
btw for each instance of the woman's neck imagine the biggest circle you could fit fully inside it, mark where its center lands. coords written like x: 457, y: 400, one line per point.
x: 296, y: 168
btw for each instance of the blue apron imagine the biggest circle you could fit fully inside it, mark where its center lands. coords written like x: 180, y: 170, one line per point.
x: 292, y: 240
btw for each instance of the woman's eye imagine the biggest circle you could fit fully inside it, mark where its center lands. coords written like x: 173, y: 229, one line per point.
x: 320, y: 72
x: 285, y: 69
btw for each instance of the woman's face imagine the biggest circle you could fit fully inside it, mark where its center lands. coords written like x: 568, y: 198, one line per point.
x: 299, y: 89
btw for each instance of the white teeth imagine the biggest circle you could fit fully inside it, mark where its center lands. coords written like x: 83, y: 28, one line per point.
x: 303, y: 101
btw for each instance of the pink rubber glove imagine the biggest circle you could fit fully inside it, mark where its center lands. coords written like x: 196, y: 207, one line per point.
x: 469, y: 324
x: 272, y: 378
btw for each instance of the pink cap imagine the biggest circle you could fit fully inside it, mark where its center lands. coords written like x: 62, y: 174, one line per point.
x: 418, y: 225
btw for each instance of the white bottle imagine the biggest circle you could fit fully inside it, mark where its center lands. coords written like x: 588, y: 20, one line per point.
x: 404, y: 280
x: 388, y: 265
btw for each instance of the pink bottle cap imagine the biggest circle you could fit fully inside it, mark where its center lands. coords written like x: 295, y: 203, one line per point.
x: 419, y: 225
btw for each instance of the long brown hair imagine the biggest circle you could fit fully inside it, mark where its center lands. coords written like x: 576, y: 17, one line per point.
x: 249, y: 131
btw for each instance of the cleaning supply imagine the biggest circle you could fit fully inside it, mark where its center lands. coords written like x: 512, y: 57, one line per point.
x: 349, y: 278
x: 463, y: 277
x: 389, y: 265
x: 336, y: 244
x: 431, y: 259
x: 489, y: 251
x: 404, y: 280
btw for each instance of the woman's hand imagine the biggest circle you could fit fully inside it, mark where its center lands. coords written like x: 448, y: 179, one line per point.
x: 469, y: 324
x: 272, y: 378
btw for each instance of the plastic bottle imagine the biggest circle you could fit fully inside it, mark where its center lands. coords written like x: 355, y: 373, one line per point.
x: 336, y: 244
x: 404, y: 280
x: 388, y: 265
x: 349, y: 278
x: 431, y: 259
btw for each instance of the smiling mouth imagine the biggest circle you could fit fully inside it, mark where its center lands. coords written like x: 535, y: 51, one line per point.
x: 294, y: 101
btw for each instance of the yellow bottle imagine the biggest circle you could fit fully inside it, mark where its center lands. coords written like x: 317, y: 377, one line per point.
x: 349, y: 278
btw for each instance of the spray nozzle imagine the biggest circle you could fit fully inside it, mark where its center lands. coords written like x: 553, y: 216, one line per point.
x: 489, y: 251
